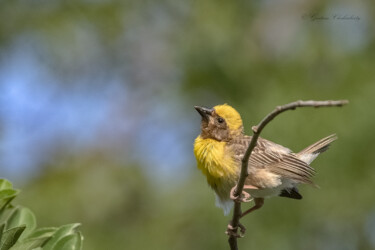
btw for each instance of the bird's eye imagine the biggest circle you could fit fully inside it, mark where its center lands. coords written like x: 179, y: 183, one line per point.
x: 220, y: 120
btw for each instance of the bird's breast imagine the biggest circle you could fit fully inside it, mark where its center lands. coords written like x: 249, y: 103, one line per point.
x: 215, y: 161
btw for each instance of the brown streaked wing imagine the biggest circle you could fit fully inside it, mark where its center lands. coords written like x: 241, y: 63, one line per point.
x: 276, y: 158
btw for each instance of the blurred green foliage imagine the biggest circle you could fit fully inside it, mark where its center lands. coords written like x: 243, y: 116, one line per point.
x: 173, y: 55
x: 18, y: 227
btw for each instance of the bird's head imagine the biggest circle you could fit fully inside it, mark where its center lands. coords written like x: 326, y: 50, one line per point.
x: 221, y: 123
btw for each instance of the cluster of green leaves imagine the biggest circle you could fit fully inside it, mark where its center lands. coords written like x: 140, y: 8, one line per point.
x: 18, y: 228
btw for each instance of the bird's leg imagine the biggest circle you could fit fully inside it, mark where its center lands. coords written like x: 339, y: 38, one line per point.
x: 246, y: 196
x: 232, y: 231
x: 258, y: 204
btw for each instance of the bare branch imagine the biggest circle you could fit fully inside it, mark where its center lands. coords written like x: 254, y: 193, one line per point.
x: 256, y: 132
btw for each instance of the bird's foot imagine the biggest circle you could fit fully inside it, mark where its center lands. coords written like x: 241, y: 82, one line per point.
x: 232, y: 231
x: 244, y: 197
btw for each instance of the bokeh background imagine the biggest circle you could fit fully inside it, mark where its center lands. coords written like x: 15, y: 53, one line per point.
x: 97, y: 121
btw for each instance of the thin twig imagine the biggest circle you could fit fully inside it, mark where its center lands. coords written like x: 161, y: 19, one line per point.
x: 245, y: 160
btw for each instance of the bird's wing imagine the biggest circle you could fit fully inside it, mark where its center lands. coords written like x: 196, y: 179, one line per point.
x: 276, y: 159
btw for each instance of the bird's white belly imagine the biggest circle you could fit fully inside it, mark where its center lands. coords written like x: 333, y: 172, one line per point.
x: 269, y: 192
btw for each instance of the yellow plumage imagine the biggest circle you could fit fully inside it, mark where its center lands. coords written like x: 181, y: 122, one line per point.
x: 212, y: 160
x: 219, y: 168
x: 232, y: 117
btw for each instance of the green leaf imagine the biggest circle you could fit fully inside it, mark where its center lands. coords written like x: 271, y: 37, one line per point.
x: 70, y: 242
x: 2, y: 227
x: 59, y: 234
x: 35, y: 239
x: 30, y: 243
x: 5, y: 184
x: 10, y: 237
x: 6, y: 196
x: 42, y: 232
x: 22, y: 216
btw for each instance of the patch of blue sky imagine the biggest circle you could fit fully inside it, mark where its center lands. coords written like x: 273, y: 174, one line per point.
x: 37, y: 112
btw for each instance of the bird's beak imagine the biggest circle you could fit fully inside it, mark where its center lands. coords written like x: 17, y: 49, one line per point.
x: 204, y: 112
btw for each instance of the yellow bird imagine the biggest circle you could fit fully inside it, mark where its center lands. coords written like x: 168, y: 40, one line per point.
x: 274, y: 170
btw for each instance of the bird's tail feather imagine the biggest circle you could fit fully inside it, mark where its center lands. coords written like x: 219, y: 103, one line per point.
x: 311, y: 152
